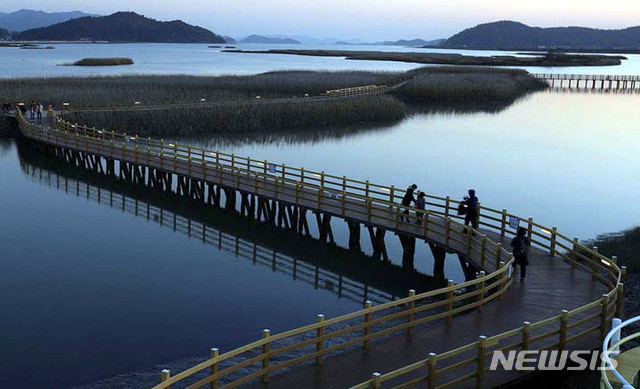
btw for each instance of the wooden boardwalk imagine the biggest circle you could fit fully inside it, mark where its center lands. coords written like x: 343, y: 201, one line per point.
x: 563, y: 275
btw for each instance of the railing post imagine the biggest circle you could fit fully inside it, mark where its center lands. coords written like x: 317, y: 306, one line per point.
x: 320, y: 342
x: 504, y: 278
x: 447, y: 206
x: 503, y: 227
x: 620, y: 300
x: 482, y: 350
x: 526, y: 335
x: 344, y: 203
x: 552, y: 245
x: 322, y: 180
x: 369, y: 209
x: 481, y: 286
x: 431, y: 375
x: 233, y: 160
x: 376, y: 380
x: 392, y: 196
x: 301, y: 174
x: 604, y: 305
x: 450, y: 285
x: 574, y: 253
x: 498, y: 255
x: 412, y: 306
x: 165, y: 375
x: 594, y: 260
x: 367, y: 328
x: 366, y: 192
x: 483, y: 250
x: 213, y: 370
x: 447, y: 223
x: 564, y: 318
x: 530, y: 228
x: 265, y: 355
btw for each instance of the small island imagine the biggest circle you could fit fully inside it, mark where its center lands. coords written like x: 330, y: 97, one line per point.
x: 102, y: 62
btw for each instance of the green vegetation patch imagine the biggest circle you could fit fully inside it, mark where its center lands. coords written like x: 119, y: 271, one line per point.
x: 103, y: 62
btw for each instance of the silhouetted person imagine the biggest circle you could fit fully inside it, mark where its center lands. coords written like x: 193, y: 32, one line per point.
x: 420, y: 204
x: 520, y: 245
x: 408, y: 199
x: 39, y: 109
x: 471, y: 216
x: 32, y: 110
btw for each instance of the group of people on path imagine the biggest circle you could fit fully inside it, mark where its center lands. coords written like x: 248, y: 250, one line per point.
x: 35, y: 110
x: 469, y: 207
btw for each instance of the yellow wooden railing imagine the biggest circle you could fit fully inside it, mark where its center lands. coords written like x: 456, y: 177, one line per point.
x: 358, y: 200
x: 588, y: 77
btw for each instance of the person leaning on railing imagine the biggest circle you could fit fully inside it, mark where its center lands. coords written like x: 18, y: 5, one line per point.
x: 408, y: 199
x: 520, y: 245
x: 471, y: 210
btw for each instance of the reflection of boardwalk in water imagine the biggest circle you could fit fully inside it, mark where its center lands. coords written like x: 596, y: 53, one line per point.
x: 389, y: 280
x: 240, y: 248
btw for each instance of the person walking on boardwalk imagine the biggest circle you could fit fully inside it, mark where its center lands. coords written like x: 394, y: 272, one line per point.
x: 39, y: 109
x: 420, y: 204
x: 520, y: 245
x: 408, y: 199
x: 32, y: 110
x: 471, y: 215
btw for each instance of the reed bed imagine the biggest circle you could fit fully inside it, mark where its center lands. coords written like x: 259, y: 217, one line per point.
x: 237, y: 111
x: 239, y: 118
x: 103, y: 62
x: 467, y: 84
x: 148, y: 90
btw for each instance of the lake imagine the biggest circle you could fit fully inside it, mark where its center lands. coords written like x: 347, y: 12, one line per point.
x: 93, y: 289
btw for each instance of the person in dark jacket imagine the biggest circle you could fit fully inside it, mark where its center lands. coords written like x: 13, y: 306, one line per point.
x: 520, y: 245
x: 408, y: 199
x: 421, y: 202
x: 471, y: 215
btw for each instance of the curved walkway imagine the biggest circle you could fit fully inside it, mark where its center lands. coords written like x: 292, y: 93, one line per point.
x: 415, y: 325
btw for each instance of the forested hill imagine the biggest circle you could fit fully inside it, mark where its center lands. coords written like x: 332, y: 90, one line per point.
x: 122, y: 27
x: 517, y: 36
x: 4, y: 34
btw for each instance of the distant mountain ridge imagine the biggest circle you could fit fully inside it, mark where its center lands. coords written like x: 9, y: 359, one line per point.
x: 4, y: 34
x: 121, y: 27
x: 509, y: 35
x: 264, y: 39
x: 26, y: 19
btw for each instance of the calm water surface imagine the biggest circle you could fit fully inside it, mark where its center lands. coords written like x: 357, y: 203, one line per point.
x: 199, y: 59
x: 90, y: 291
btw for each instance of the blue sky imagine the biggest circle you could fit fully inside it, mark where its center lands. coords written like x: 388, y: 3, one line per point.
x: 364, y: 19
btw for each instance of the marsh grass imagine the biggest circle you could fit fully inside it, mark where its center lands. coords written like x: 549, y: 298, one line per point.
x: 477, y: 89
x: 124, y: 90
x: 479, y: 85
x: 238, y: 119
x: 103, y: 62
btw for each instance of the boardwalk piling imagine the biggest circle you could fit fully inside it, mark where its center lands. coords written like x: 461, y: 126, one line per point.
x: 526, y: 335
